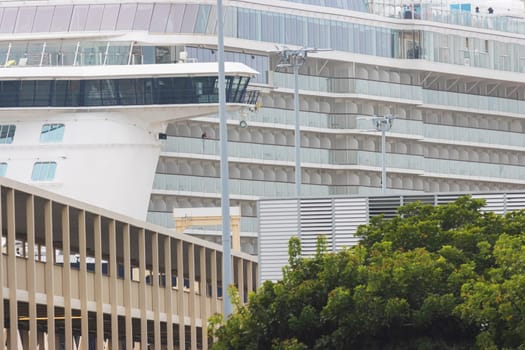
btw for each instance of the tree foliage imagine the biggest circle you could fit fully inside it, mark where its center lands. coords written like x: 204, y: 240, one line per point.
x: 433, y: 277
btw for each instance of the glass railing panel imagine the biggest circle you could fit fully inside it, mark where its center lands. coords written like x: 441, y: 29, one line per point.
x: 286, y: 80
x: 402, y: 126
x: 161, y: 218
x: 165, y: 219
x: 245, y: 150
x: 464, y: 168
x: 287, y: 117
x: 489, y: 103
x: 257, y: 188
x: 348, y: 85
x: 484, y: 136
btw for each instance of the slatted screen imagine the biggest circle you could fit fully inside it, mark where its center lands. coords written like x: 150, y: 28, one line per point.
x: 337, y: 218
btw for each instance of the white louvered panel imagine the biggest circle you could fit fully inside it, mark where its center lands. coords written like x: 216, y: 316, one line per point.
x: 493, y: 202
x: 386, y: 206
x: 349, y: 214
x: 515, y: 201
x: 316, y: 220
x: 277, y: 224
x: 425, y: 199
x: 443, y: 199
x: 338, y: 219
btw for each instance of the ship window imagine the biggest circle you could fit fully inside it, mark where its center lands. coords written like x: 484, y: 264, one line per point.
x: 52, y: 133
x: 43, y: 171
x: 3, y: 169
x: 7, y: 133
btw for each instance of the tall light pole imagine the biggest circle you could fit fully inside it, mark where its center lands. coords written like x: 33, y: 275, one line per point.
x: 383, y: 124
x: 295, y: 59
x: 225, y: 189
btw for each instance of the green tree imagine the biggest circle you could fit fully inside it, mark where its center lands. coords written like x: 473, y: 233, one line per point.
x: 433, y: 277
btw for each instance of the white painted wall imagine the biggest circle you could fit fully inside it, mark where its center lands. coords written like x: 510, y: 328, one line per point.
x: 107, y: 158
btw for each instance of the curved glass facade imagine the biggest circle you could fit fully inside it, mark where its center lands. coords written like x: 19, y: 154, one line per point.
x: 244, y: 23
x: 111, y: 92
x: 357, y: 5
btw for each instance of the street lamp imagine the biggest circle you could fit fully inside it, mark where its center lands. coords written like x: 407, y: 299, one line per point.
x: 225, y: 190
x: 295, y: 58
x: 383, y: 124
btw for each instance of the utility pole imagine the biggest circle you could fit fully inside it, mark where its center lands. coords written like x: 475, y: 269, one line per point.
x: 383, y: 124
x: 225, y: 177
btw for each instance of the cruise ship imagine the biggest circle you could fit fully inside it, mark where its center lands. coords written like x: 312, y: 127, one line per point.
x: 114, y: 103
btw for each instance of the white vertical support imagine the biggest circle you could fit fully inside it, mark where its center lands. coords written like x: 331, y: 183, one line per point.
x: 106, y: 54
x: 130, y: 52
x: 76, y: 54
x: 50, y: 277
x: 7, y: 55
x: 42, y: 54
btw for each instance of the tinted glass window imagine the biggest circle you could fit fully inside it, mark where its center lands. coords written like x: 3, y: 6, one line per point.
x: 126, y: 16
x: 94, y: 17
x: 143, y: 17
x: 3, y: 169
x: 7, y: 133
x: 175, y: 19
x: 52, y: 133
x: 61, y: 18
x: 189, y: 19
x: 109, y: 19
x: 159, y: 17
x: 25, y: 19
x: 108, y: 92
x: 8, y: 20
x: 79, y: 17
x: 43, y: 171
x: 43, y: 17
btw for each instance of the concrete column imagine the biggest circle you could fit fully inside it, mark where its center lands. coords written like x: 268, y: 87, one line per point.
x: 84, y: 327
x: 66, y: 278
x: 113, y: 273
x: 156, y: 291
x: 97, y: 223
x: 240, y: 278
x: 50, y: 277
x: 192, y: 300
x: 31, y: 267
x: 11, y: 269
x: 203, y: 297
x: 213, y: 266
x: 127, y: 285
x: 168, y: 292
x: 180, y: 293
x: 142, y: 291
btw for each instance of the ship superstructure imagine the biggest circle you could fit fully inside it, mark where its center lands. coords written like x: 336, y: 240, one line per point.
x: 452, y: 77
